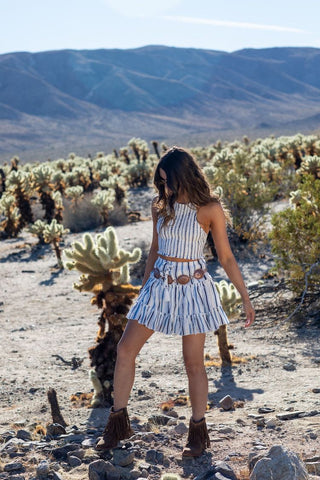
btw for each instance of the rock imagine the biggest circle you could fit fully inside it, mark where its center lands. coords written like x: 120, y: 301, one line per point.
x: 89, y: 442
x: 180, y: 429
x: 73, y: 437
x: 144, y: 473
x: 225, y: 430
x: 43, y: 469
x: 134, y: 474
x: 146, y: 374
x: 74, y: 461
x: 76, y: 453
x: 61, y: 453
x: 100, y: 470
x: 313, y: 467
x: 151, y: 456
x: 12, y: 466
x: 225, y: 469
x: 226, y: 403
x: 253, y: 458
x: 55, y: 429
x: 290, y: 367
x: 171, y: 422
x: 123, y: 457
x: 289, y: 415
x: 279, y: 464
x: 316, y: 390
x: 265, y: 410
x: 159, y: 419
x: 218, y: 471
x: 24, y: 435
x: 260, y: 422
x: 271, y: 423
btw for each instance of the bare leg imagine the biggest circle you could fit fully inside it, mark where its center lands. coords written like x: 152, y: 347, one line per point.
x: 193, y: 351
x: 130, y: 344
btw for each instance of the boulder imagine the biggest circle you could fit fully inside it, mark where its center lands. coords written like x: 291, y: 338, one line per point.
x: 279, y: 464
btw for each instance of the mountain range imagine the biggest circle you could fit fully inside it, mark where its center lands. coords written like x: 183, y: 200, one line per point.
x: 55, y: 102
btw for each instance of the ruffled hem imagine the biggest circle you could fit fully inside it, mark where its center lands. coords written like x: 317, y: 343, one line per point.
x: 179, y: 309
x: 190, y: 325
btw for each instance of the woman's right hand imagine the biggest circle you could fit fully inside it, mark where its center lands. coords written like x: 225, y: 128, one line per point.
x: 249, y: 312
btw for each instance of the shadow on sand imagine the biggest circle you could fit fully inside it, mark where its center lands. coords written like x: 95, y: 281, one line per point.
x: 226, y: 385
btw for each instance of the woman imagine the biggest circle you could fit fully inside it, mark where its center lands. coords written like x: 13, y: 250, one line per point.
x: 178, y: 295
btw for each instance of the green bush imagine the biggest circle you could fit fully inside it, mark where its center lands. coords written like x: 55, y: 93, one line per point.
x: 295, y: 236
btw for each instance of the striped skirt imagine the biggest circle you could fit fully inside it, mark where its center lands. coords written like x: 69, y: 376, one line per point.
x: 175, y: 308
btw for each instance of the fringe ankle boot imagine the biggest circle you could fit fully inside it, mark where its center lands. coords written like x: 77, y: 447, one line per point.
x: 117, y: 428
x: 198, y: 438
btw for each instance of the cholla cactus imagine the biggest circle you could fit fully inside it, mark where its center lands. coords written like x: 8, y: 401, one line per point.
x: 105, y: 271
x: 140, y: 148
x: 11, y: 212
x: 229, y: 295
x: 104, y: 201
x: 42, y: 182
x: 118, y: 184
x: 138, y: 174
x: 57, y: 198
x: 296, y: 197
x: 59, y: 181
x: 101, y: 261
x: 75, y: 193
x: 37, y: 229
x: 53, y: 233
x: 310, y: 165
x: 18, y: 183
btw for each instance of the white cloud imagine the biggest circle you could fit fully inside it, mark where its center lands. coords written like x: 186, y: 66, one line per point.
x: 229, y: 24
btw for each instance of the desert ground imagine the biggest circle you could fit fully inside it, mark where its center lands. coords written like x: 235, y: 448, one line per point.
x: 45, y: 323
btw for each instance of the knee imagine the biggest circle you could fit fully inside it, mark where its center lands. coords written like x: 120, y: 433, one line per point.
x: 125, y: 353
x: 193, y: 368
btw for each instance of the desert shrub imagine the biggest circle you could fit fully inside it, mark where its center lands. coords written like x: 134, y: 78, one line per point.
x: 295, y: 236
x: 85, y: 217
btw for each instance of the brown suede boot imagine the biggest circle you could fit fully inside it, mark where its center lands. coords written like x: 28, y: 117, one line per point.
x: 117, y: 428
x: 198, y: 438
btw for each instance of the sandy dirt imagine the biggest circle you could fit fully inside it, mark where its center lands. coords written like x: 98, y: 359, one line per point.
x: 42, y: 316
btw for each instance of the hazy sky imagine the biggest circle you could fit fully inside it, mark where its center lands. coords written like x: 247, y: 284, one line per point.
x: 39, y: 25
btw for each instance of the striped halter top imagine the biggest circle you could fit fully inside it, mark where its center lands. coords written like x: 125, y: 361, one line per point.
x: 183, y: 239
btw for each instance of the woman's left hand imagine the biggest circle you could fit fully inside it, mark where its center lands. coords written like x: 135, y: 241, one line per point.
x: 250, y: 313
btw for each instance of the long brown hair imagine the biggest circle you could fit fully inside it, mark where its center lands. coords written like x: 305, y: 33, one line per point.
x: 184, y: 175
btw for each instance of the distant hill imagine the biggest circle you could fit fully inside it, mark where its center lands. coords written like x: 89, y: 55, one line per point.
x: 55, y: 102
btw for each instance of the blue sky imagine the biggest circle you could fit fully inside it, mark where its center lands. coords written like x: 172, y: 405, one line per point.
x: 39, y: 25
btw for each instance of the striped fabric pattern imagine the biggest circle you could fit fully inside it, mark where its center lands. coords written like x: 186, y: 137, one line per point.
x: 184, y: 238
x: 179, y: 309
x: 175, y: 308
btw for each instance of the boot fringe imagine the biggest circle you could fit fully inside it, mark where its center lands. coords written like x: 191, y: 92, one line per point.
x: 198, y: 432
x: 118, y: 425
x: 198, y: 438
x: 117, y: 428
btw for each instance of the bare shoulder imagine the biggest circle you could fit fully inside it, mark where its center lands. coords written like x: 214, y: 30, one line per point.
x: 207, y: 214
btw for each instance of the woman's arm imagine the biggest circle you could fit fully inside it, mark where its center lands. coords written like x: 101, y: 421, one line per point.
x: 217, y: 222
x: 152, y: 257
